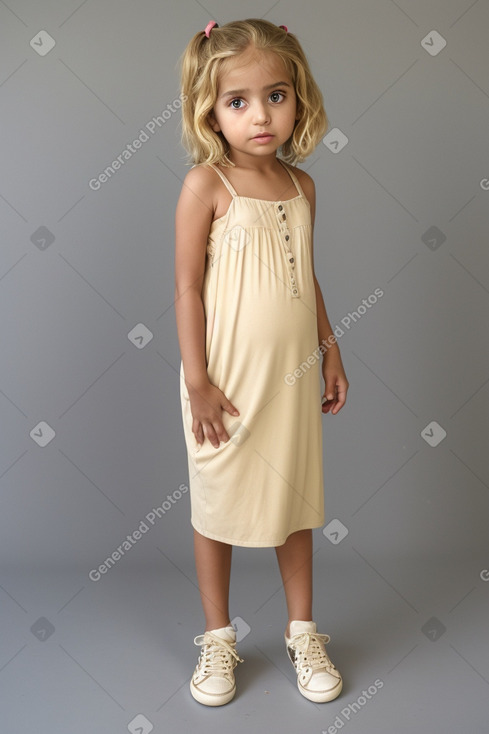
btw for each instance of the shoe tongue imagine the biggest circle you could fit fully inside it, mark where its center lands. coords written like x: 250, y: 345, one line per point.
x: 298, y: 626
x: 225, y: 633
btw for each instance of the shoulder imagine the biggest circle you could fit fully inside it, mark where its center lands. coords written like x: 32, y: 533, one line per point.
x: 201, y: 178
x: 308, y: 187
x: 199, y: 188
x: 305, y: 181
x: 201, y: 173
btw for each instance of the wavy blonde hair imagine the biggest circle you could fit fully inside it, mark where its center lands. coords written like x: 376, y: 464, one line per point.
x: 200, y: 66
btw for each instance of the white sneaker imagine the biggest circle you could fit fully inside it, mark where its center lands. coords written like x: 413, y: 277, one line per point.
x: 317, y: 678
x: 213, y: 682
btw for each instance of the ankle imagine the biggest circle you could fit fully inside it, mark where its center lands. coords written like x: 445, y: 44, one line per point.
x: 296, y: 619
x: 217, y: 625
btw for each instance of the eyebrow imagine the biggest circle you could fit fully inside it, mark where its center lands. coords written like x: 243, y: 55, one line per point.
x: 233, y: 92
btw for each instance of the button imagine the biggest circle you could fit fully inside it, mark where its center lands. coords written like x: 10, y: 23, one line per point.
x: 280, y: 207
x: 287, y: 238
x: 284, y: 217
x: 295, y: 291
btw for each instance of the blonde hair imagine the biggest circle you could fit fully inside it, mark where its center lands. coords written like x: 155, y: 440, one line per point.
x: 200, y: 65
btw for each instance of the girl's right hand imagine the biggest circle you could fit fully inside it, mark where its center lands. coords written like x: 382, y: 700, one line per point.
x: 206, y: 404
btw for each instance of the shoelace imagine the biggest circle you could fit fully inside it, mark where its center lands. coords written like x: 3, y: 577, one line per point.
x: 217, y: 654
x: 310, y: 649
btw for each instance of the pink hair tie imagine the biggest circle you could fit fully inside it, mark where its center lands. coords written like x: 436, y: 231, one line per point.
x: 284, y: 27
x: 210, y: 25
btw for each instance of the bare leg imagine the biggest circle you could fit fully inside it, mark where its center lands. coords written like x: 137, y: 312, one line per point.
x: 295, y: 563
x: 213, y: 565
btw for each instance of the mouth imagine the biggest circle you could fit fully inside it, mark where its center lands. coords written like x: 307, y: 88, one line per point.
x: 263, y: 136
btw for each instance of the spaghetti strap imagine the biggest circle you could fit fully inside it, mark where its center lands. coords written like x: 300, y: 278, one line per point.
x: 226, y: 183
x: 233, y: 192
x: 292, y: 176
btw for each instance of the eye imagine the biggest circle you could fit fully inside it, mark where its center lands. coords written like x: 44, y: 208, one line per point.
x: 232, y: 103
x: 276, y: 94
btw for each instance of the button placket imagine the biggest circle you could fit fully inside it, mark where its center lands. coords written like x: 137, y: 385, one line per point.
x: 285, y: 233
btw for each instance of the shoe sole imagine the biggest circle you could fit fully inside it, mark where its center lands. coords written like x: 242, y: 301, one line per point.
x: 321, y: 696
x: 211, y: 699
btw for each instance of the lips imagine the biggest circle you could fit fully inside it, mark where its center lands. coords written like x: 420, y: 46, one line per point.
x: 263, y: 138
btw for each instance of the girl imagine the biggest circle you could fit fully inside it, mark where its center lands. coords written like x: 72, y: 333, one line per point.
x: 252, y: 329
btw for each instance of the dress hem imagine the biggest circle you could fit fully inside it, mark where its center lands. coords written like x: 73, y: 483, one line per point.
x: 255, y: 543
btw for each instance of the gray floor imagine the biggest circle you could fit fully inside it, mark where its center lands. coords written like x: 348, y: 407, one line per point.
x: 116, y: 655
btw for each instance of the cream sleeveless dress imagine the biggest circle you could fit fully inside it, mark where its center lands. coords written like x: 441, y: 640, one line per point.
x: 262, y: 352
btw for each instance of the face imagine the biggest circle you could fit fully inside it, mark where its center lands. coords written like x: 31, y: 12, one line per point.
x: 255, y: 95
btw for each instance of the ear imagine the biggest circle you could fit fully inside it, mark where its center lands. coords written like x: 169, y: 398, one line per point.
x: 213, y: 122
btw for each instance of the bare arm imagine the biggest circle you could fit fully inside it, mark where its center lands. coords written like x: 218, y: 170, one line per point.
x: 193, y: 218
x: 192, y: 222
x: 336, y: 384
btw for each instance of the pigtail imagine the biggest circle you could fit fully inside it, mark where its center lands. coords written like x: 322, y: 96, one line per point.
x: 191, y: 63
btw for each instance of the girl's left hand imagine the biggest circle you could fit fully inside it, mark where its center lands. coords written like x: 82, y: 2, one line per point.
x: 336, y: 384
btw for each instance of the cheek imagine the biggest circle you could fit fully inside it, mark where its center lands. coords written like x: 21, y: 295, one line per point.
x: 225, y: 116
x: 222, y: 118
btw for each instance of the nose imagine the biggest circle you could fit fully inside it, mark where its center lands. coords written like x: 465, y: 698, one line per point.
x: 261, y: 114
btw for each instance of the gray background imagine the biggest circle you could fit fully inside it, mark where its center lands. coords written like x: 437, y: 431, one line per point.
x: 402, y: 207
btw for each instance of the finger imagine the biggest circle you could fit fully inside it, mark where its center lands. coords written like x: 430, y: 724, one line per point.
x: 199, y: 437
x: 229, y: 407
x: 211, y: 434
x: 326, y: 405
x: 221, y: 432
x: 198, y: 432
x: 339, y: 403
x: 330, y: 389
